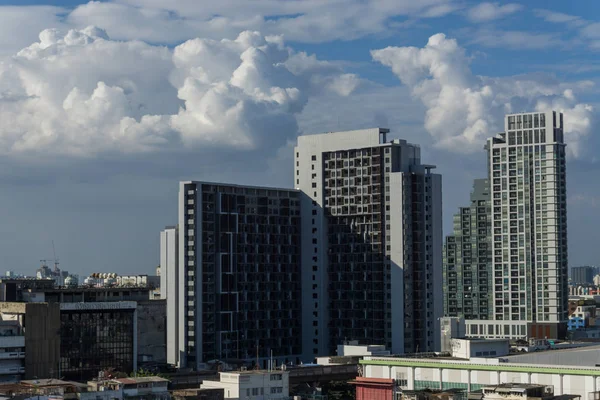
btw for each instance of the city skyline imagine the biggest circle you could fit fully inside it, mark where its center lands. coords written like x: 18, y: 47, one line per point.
x: 91, y: 148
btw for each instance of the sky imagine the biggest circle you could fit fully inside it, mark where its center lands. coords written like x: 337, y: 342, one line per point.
x: 106, y: 105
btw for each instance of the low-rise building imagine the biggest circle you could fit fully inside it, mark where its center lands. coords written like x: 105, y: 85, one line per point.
x: 582, y: 313
x: 29, y: 340
x: 96, y: 337
x: 470, y: 348
x: 518, y: 391
x: 198, y: 394
x: 150, y: 387
x: 255, y: 385
x: 569, y: 371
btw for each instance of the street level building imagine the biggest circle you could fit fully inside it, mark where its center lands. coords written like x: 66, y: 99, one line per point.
x: 238, y: 293
x: 371, y: 242
x: 259, y: 385
x: 97, y: 336
x: 568, y: 372
x: 29, y: 340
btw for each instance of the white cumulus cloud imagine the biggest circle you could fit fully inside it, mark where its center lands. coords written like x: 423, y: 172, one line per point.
x: 463, y: 109
x: 81, y: 93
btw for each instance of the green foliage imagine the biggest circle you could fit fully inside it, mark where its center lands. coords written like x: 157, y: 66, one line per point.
x: 339, y: 390
x: 142, y: 373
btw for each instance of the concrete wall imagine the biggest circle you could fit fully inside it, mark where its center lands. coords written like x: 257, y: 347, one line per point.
x: 42, y: 340
x: 151, y: 331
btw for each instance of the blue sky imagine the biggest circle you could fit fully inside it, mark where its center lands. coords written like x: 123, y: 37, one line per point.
x: 104, y: 106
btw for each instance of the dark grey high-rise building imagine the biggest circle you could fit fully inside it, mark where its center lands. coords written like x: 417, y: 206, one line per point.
x: 238, y: 291
x: 582, y: 275
x: 468, y: 258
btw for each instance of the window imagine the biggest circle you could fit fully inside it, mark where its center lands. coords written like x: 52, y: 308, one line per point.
x: 314, y: 158
x: 254, y: 391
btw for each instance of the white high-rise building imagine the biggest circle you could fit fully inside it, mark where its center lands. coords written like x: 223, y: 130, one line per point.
x: 529, y: 229
x: 169, y: 286
x: 371, y: 242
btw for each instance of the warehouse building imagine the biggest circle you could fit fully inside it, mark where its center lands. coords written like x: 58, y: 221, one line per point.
x: 569, y: 372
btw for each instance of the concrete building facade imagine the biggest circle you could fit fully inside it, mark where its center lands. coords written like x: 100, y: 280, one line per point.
x: 30, y: 340
x: 239, y: 287
x: 529, y: 223
x: 478, y: 373
x: 169, y: 287
x: 256, y: 385
x: 372, y: 241
x: 468, y: 258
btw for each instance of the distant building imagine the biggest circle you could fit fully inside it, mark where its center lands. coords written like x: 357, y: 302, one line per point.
x: 259, y: 385
x: 582, y: 314
x: 584, y: 290
x: 468, y: 258
x: 583, y: 275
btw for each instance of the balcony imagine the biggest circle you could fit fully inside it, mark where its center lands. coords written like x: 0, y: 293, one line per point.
x: 12, y: 355
x: 11, y: 370
x: 12, y: 341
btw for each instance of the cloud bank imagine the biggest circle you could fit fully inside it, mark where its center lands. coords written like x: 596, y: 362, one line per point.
x: 81, y: 94
x: 463, y: 109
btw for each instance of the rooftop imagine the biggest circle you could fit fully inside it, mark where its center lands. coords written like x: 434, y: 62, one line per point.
x: 144, y: 379
x: 254, y: 372
x: 50, y: 382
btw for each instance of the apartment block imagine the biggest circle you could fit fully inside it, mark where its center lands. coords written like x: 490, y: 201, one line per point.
x: 238, y: 274
x: 371, y: 242
x: 468, y: 258
x: 529, y: 223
